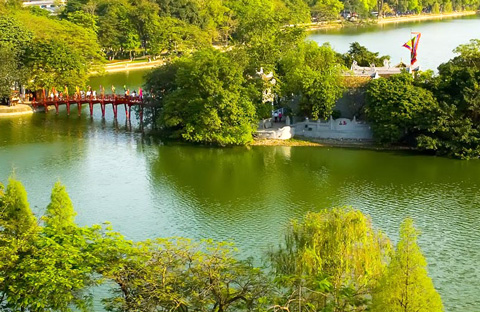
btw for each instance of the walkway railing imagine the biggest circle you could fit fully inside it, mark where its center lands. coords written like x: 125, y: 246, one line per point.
x: 103, y: 100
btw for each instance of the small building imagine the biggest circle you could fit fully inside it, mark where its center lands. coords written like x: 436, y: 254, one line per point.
x: 49, y: 5
x: 375, y: 72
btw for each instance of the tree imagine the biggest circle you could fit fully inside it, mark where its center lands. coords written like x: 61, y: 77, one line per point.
x: 313, y: 74
x: 215, y: 109
x: 362, y: 56
x: 116, y: 31
x: 326, y: 9
x: 50, y: 267
x: 17, y: 218
x: 52, y: 63
x: 330, y: 261
x: 86, y: 20
x: 406, y: 286
x: 10, y: 71
x: 60, y: 215
x: 457, y: 88
x: 178, y: 274
x: 13, y: 34
x: 399, y: 111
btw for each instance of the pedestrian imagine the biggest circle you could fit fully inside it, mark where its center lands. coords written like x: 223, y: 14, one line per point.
x: 275, y: 115
x: 280, y: 116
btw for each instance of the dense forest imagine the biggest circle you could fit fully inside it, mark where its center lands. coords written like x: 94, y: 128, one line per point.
x: 332, y: 260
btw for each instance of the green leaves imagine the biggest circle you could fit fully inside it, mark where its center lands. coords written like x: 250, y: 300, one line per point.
x: 333, y: 259
x: 406, y: 286
x: 43, y: 268
x: 171, y: 274
x: 202, y: 99
x: 313, y: 74
x: 399, y: 111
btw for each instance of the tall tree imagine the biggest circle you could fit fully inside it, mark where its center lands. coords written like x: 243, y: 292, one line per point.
x: 312, y: 73
x: 399, y: 111
x: 331, y: 261
x: 215, y: 109
x: 406, y: 286
x: 60, y: 214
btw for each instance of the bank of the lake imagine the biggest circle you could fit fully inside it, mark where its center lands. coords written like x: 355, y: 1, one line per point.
x: 386, y: 20
x: 439, y: 38
x: 14, y: 111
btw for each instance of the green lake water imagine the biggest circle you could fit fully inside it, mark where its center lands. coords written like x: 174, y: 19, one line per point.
x: 246, y: 195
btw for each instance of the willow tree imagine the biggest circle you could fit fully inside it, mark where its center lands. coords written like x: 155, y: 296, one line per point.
x: 406, y: 286
x: 331, y: 260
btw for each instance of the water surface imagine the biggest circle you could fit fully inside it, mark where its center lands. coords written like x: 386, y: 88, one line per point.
x: 247, y: 195
x: 439, y: 38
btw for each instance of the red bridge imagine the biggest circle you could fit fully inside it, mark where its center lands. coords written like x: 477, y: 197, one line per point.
x: 103, y: 100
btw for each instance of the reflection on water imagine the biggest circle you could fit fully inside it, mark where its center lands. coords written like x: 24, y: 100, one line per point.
x: 247, y: 195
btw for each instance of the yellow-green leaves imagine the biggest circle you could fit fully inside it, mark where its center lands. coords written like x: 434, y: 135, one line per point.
x: 406, y: 286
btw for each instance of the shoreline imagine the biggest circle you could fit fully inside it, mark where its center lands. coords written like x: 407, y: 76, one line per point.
x: 387, y: 20
x: 127, y: 66
x: 304, y: 141
x: 17, y: 110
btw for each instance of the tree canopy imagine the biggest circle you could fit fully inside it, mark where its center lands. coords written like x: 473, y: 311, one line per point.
x: 406, y: 286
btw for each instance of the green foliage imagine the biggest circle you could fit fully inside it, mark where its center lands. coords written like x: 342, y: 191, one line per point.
x: 330, y: 261
x: 52, y: 63
x: 86, y: 20
x: 60, y: 215
x: 457, y: 87
x: 398, y: 110
x: 17, y: 220
x: 10, y: 70
x: 326, y: 9
x: 406, y: 286
x: 312, y: 73
x: 171, y: 274
x: 13, y: 34
x: 215, y: 109
x: 362, y: 56
x: 46, y: 268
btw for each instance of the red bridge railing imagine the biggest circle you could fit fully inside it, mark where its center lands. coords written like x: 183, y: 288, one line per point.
x: 103, y: 100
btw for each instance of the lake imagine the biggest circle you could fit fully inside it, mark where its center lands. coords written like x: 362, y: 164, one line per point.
x: 439, y: 38
x: 247, y: 195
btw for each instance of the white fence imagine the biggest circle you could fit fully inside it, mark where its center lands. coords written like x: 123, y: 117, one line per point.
x: 341, y: 128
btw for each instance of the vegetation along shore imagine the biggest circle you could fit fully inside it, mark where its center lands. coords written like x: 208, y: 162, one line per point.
x: 265, y: 63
